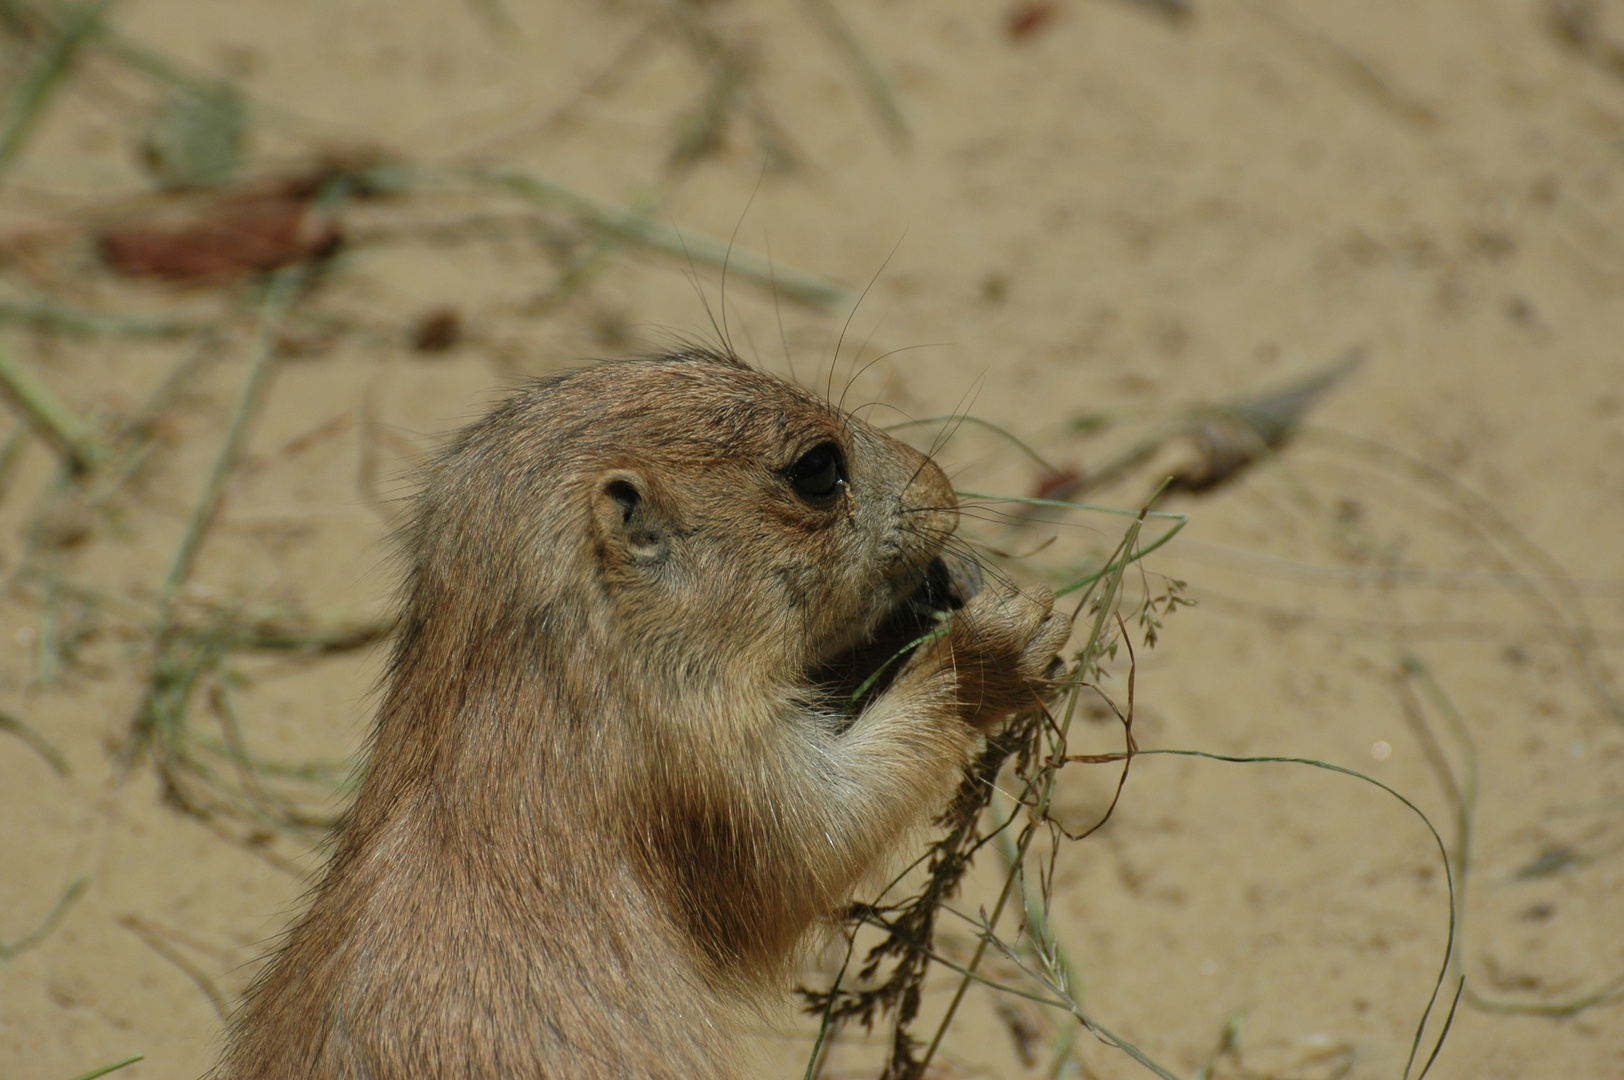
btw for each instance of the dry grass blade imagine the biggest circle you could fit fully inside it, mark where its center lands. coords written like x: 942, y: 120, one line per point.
x: 284, y: 288
x: 52, y: 917
x: 1355, y: 69
x: 733, y: 87
x: 1037, y: 743
x: 158, y: 940
x: 1565, y: 602
x: 634, y: 228
x: 49, y: 414
x: 36, y: 742
x: 51, y: 317
x: 180, y: 659
x: 11, y: 452
x: 1462, y: 792
x: 1038, y: 928
x: 700, y: 134
x: 53, y: 57
x: 1099, y: 1031
x: 1449, y: 880
x: 882, y: 97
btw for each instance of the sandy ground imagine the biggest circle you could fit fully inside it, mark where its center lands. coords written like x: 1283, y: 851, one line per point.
x: 1117, y: 213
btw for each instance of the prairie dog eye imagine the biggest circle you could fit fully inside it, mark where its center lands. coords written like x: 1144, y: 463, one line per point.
x: 817, y: 475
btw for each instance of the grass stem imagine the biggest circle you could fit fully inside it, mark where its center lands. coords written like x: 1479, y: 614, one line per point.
x: 285, y: 286
x: 49, y: 414
x: 95, y: 1074
x: 53, y: 59
x: 640, y: 229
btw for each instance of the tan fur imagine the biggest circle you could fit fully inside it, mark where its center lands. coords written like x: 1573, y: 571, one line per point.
x: 605, y: 798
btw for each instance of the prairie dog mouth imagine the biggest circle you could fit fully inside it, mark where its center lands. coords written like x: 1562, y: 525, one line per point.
x: 863, y: 671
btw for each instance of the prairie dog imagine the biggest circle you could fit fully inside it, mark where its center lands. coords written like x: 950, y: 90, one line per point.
x: 615, y: 777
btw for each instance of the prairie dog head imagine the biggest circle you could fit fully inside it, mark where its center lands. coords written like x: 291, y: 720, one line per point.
x: 709, y: 524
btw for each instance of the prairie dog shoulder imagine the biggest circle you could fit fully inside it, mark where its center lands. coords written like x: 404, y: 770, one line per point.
x: 617, y: 773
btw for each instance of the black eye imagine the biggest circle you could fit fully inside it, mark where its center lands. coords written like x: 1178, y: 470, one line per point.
x: 818, y: 474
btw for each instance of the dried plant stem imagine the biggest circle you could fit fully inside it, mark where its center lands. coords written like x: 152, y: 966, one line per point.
x: 49, y: 316
x: 881, y: 95
x: 969, y: 973
x: 49, y: 414
x: 1099, y: 1030
x: 1567, y: 605
x: 284, y: 288
x: 11, y: 452
x: 820, y: 1046
x: 48, y: 661
x: 52, y: 917
x: 1462, y: 793
x: 156, y: 939
x: 55, y: 55
x: 178, y: 659
x: 635, y: 228
x: 1044, y: 783
x: 1449, y: 882
x: 1037, y: 922
x: 134, y: 440
x: 1464, y: 790
x: 36, y: 742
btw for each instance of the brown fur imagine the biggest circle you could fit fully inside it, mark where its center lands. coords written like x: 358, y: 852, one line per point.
x: 605, y: 799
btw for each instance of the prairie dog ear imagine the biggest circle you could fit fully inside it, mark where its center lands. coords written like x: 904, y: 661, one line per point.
x: 627, y: 520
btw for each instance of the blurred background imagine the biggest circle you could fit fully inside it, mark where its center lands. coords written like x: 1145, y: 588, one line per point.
x: 1352, y: 274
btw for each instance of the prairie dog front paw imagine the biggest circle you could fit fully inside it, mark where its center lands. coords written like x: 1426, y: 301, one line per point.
x: 1004, y: 644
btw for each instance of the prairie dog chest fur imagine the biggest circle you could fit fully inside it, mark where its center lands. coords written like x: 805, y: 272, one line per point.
x: 617, y: 773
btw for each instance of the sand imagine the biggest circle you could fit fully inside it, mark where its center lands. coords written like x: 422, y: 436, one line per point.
x: 1118, y: 213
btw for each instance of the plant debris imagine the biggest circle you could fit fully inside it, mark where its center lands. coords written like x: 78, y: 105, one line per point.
x: 225, y: 238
